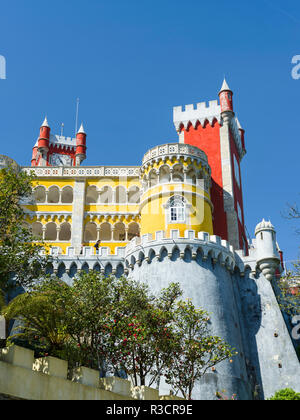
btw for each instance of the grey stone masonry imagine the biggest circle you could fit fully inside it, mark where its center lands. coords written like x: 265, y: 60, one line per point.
x: 78, y: 214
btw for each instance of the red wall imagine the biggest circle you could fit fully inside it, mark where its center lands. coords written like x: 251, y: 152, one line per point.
x: 207, y: 138
x: 60, y: 150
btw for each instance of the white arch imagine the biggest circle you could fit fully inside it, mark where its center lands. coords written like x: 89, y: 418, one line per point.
x: 65, y: 232
x: 40, y: 194
x: 134, y: 194
x: 92, y: 194
x: 67, y: 194
x: 51, y: 231
x: 106, y: 195
x: 53, y: 194
x: 90, y: 232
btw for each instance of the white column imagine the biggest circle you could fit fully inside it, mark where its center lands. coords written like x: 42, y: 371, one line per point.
x: 78, y: 214
x: 228, y: 191
x: 44, y: 232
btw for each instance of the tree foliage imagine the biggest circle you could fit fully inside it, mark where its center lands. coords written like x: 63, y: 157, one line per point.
x: 287, y: 394
x: 289, y: 283
x: 289, y: 286
x: 119, y: 327
x: 20, y: 256
x: 195, y: 350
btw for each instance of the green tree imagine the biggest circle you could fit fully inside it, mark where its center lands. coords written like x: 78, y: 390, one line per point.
x: 289, y: 286
x: 41, y: 316
x: 286, y: 395
x: 194, y: 349
x: 20, y: 256
x: 146, y: 337
x: 116, y: 324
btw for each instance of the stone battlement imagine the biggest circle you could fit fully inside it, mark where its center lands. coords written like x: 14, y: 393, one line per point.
x: 202, y: 245
x: 192, y: 114
x: 170, y: 150
x: 67, y: 266
x: 48, y: 378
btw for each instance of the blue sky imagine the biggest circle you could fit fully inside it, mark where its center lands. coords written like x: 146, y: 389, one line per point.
x: 131, y: 61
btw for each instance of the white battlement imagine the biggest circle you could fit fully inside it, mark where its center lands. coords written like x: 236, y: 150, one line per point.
x: 61, y: 140
x: 140, y: 249
x: 192, y: 114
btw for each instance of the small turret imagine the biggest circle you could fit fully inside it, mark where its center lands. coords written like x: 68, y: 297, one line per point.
x: 268, y: 258
x: 225, y: 96
x: 80, y: 146
x: 34, y: 156
x: 43, y: 142
x: 242, y: 133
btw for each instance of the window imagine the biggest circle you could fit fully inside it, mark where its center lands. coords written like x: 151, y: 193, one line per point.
x: 237, y: 172
x: 176, y: 209
x: 240, y: 213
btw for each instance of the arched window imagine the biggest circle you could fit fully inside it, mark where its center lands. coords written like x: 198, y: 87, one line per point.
x: 106, y: 195
x: 178, y: 173
x: 133, y: 230
x: 90, y: 232
x: 134, y: 195
x: 51, y: 232
x: 53, y: 194
x: 119, y: 232
x: 176, y: 206
x: 92, y: 194
x: 67, y: 195
x: 105, y: 232
x: 40, y: 194
x: 164, y: 174
x: 65, y: 232
x: 37, y: 230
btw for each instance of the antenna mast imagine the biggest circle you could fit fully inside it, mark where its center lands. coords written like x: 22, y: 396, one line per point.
x: 77, y: 110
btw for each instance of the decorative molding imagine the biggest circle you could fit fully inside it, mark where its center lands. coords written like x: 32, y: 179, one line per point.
x: 171, y: 150
x: 84, y: 172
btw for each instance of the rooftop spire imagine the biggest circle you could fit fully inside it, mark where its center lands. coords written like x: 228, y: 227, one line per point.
x: 225, y: 86
x: 45, y: 123
x: 81, y: 130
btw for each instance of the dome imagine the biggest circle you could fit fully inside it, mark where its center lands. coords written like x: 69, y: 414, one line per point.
x: 264, y: 225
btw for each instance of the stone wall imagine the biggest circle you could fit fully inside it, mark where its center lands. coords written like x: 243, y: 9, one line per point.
x: 24, y: 377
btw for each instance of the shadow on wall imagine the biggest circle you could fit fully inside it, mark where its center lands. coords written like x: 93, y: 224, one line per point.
x: 251, y: 309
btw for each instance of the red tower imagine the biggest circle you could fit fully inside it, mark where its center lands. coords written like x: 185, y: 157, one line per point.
x: 55, y: 150
x: 216, y: 130
x: 225, y: 96
x: 43, y: 144
x: 80, y: 145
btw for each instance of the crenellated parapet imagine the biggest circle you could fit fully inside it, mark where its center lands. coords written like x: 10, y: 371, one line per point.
x: 50, y: 378
x: 192, y: 115
x: 67, y: 266
x: 174, y: 151
x: 192, y: 246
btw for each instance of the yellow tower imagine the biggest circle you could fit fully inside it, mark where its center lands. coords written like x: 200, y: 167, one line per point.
x: 176, y: 183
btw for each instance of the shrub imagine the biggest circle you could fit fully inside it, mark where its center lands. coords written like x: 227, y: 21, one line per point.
x: 286, y: 394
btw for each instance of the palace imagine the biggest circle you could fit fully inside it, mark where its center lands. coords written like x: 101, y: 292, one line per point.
x: 177, y: 216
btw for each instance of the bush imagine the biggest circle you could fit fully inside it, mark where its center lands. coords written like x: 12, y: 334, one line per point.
x: 286, y: 394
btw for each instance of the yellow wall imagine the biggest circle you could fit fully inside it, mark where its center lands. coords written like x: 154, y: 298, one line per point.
x: 150, y: 214
x: 154, y: 215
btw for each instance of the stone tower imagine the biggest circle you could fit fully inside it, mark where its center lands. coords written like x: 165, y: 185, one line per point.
x: 216, y: 130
